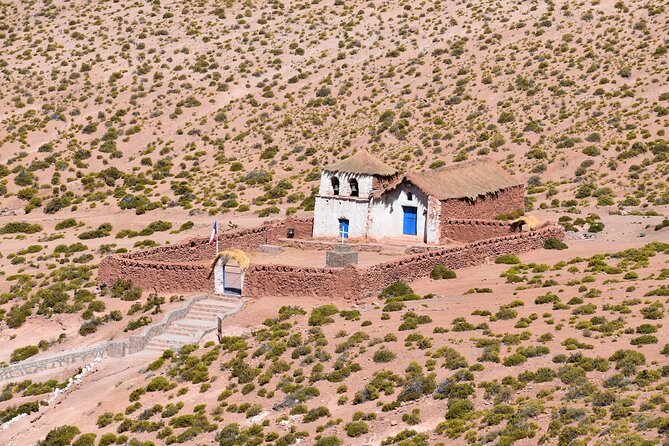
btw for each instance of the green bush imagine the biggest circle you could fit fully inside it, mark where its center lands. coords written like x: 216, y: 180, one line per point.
x: 508, y: 259
x: 394, y: 305
x: 321, y: 315
x: 85, y: 440
x: 644, y: 340
x: 441, y: 272
x: 554, y: 243
x: 315, y: 414
x: 65, y: 224
x: 102, y: 231
x: 328, y: 441
x: 356, y: 428
x: 395, y: 289
x: 22, y: 353
x: 125, y: 290
x: 383, y: 355
x: 20, y: 227
x: 60, y: 436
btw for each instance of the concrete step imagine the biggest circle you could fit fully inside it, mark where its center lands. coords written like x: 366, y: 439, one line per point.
x: 192, y: 323
x: 183, y: 331
x: 225, y: 298
x: 174, y: 338
x: 214, y: 305
x: 201, y: 317
x: 209, y: 319
x: 206, y: 314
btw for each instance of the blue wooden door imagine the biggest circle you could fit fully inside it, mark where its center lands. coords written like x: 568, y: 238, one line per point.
x: 343, y: 228
x: 410, y: 220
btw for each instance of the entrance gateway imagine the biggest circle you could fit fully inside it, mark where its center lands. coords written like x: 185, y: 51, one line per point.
x: 232, y: 279
x: 228, y: 270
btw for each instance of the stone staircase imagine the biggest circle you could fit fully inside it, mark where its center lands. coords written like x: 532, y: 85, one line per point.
x: 200, y: 319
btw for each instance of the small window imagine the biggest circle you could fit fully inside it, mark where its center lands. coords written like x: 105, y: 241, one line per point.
x: 353, y: 183
x: 409, y: 196
x: 335, y: 185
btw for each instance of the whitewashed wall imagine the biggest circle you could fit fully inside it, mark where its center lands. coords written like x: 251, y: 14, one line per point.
x: 386, y: 215
x: 364, y: 184
x: 329, y: 210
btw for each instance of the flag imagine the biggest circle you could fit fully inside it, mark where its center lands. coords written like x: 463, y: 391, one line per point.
x: 214, y: 233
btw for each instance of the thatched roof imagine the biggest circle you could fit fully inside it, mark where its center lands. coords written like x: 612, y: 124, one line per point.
x: 463, y: 180
x: 237, y: 255
x: 362, y: 162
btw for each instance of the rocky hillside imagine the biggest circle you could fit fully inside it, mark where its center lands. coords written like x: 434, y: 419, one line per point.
x: 230, y: 105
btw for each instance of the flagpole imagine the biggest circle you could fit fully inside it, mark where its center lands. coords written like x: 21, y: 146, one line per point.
x: 216, y: 238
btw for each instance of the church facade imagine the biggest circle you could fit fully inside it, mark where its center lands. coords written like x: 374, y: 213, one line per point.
x: 363, y: 198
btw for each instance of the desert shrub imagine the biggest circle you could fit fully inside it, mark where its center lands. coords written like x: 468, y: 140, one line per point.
x: 25, y: 408
x: 356, y: 428
x: 20, y: 227
x: 458, y: 408
x: 441, y: 272
x: 125, y: 290
x: 644, y: 340
x: 105, y: 419
x: 653, y: 311
x: 514, y: 360
x: 140, y: 322
x: 350, y: 315
x: 554, y: 243
x: 328, y: 441
x: 22, y: 353
x: 159, y: 383
x: 322, y: 315
x: 60, y: 436
x: 394, y: 305
x: 85, y: 440
x: 65, y: 224
x: 646, y: 329
x: 102, y: 231
x: 508, y: 259
x: 627, y: 360
x: 383, y: 355
x: 315, y: 414
x: 395, y: 289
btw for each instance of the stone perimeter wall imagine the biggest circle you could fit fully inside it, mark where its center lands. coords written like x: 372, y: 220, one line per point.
x: 185, y: 267
x: 351, y: 283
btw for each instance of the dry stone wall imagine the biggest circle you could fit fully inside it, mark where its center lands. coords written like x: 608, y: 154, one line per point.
x: 290, y: 281
x: 411, y: 268
x: 349, y: 283
x: 184, y: 267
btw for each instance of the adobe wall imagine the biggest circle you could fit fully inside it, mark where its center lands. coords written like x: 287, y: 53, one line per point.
x: 355, y: 283
x: 184, y: 267
x: 488, y: 207
x: 377, y: 277
x: 161, y: 277
x: 350, y: 283
x: 291, y: 281
x: 198, y: 249
x: 472, y: 230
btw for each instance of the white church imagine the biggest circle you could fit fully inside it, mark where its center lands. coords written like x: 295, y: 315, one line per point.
x: 362, y: 197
